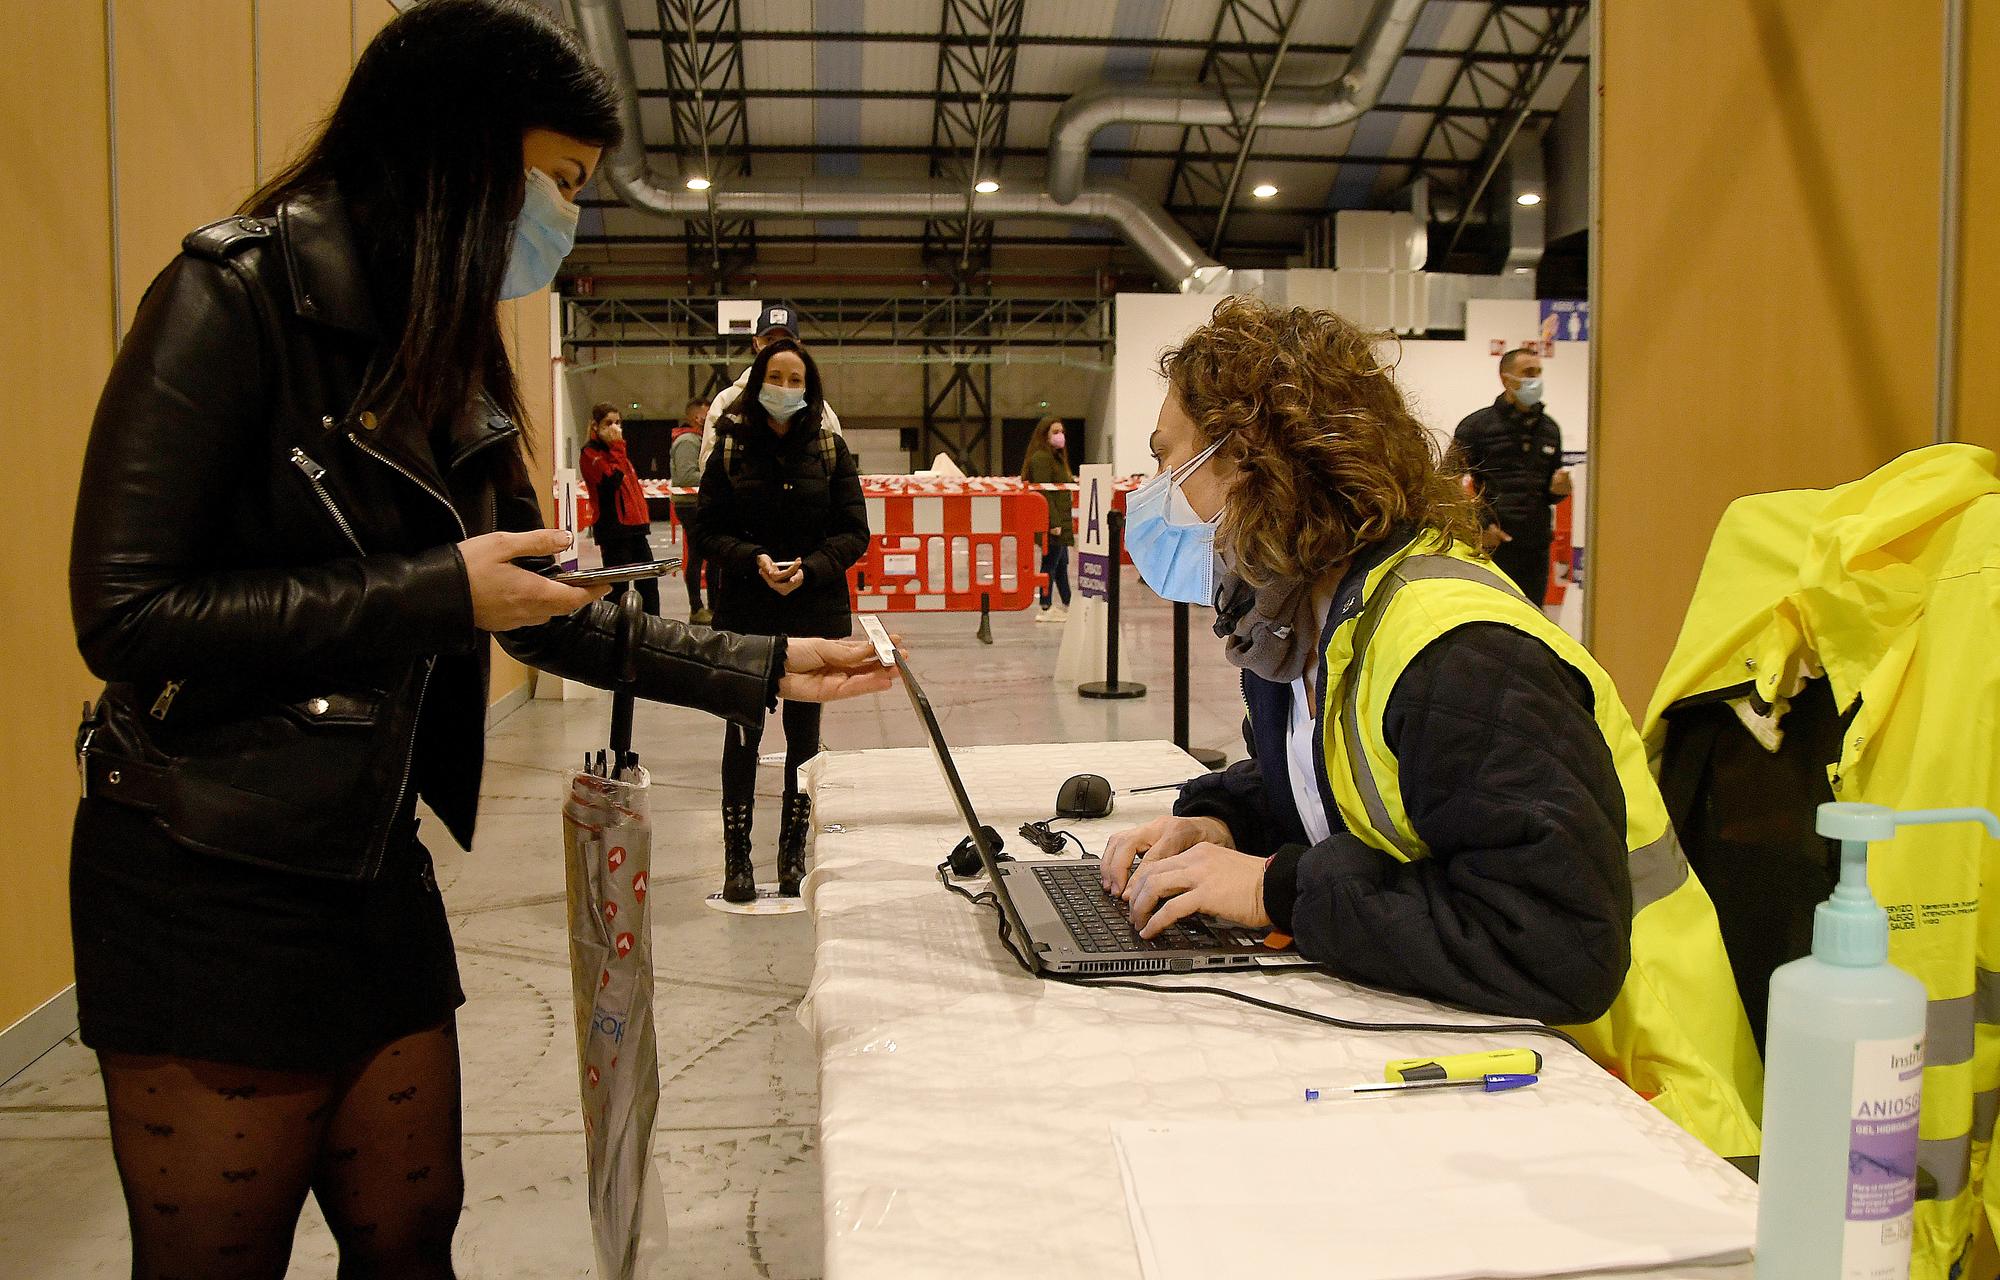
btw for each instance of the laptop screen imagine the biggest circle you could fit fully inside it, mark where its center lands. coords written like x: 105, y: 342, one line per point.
x: 942, y: 754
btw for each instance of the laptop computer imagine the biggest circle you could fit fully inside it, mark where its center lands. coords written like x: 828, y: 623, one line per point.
x: 1059, y: 912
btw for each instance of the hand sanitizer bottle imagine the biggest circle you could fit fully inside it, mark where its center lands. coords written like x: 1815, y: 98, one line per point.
x: 1844, y: 1078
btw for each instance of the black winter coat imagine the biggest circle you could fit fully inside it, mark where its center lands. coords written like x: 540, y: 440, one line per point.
x: 1524, y: 906
x: 1513, y: 457
x: 766, y: 494
x: 265, y: 571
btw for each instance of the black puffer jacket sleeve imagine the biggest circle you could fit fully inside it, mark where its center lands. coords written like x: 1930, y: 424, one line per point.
x: 179, y: 436
x: 1234, y: 796
x: 846, y: 521
x: 1524, y: 907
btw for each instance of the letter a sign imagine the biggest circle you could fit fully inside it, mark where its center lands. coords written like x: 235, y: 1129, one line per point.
x: 1093, y: 549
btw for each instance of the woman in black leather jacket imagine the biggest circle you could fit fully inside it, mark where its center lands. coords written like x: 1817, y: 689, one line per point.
x: 782, y: 520
x: 304, y: 490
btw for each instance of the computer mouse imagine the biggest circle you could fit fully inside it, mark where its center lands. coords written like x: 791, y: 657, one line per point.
x: 1084, y: 796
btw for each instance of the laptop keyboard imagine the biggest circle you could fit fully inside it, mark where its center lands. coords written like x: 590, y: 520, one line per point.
x: 1097, y: 919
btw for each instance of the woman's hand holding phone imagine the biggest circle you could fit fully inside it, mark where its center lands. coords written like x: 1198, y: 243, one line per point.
x: 506, y: 596
x: 782, y: 577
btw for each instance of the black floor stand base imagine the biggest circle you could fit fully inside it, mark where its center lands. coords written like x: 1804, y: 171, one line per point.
x: 1105, y: 689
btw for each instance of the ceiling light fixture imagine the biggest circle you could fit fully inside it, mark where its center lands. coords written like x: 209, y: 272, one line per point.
x: 699, y: 184
x: 1527, y: 197
x: 986, y: 186
x: 1263, y: 191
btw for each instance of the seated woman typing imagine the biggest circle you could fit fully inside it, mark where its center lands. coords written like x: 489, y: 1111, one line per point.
x: 1447, y: 797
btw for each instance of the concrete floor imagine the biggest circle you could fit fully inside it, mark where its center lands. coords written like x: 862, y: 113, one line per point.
x: 739, y: 1104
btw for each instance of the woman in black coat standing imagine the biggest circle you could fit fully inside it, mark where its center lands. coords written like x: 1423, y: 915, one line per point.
x: 781, y: 521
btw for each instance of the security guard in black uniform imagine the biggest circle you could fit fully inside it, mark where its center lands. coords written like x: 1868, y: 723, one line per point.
x: 1513, y: 451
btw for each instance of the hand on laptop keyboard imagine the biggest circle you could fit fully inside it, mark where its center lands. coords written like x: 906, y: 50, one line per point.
x: 1206, y: 879
x: 1098, y: 920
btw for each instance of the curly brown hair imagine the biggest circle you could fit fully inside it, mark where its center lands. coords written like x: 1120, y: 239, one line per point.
x: 1329, y: 459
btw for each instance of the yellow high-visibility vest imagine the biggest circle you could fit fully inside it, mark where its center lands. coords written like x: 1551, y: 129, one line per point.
x: 1676, y: 1032
x: 1890, y: 586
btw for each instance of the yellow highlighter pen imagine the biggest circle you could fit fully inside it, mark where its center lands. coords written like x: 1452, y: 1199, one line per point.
x: 1465, y: 1066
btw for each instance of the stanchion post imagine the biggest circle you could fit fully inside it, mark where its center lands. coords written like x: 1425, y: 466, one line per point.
x: 1208, y: 759
x: 986, y: 617
x: 1111, y: 686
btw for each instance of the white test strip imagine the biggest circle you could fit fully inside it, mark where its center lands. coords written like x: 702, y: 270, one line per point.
x: 885, y: 648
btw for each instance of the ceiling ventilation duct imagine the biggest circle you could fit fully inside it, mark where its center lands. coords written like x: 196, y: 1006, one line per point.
x: 1141, y: 223
x: 1358, y: 89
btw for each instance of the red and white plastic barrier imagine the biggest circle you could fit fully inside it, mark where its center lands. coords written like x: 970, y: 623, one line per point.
x: 938, y: 544
x: 945, y: 552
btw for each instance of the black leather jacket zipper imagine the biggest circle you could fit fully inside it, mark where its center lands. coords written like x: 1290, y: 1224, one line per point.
x: 430, y: 663
x: 413, y: 478
x: 316, y: 476
x: 425, y: 485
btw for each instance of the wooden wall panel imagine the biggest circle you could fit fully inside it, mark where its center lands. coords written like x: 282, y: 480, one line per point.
x: 365, y: 18
x: 304, y: 55
x: 525, y: 325
x: 185, y: 144
x: 1767, y: 279
x: 55, y: 349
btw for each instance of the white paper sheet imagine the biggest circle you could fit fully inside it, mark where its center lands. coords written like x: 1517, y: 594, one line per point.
x: 1407, y: 1189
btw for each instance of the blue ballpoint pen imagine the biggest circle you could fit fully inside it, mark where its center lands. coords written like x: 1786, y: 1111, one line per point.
x: 1485, y: 1084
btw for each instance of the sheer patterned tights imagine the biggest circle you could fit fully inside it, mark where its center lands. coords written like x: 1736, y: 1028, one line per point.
x: 216, y: 1161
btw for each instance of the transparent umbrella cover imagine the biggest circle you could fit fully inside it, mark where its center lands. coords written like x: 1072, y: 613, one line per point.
x: 607, y: 840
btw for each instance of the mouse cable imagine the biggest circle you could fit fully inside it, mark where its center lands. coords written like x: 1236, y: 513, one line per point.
x: 1045, y: 837
x: 1309, y: 1015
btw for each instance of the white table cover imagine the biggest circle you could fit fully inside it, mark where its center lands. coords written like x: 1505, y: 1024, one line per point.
x: 966, y: 1108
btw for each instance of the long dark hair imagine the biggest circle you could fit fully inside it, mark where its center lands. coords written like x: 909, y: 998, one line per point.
x: 425, y: 149
x: 1039, y: 442
x: 751, y: 410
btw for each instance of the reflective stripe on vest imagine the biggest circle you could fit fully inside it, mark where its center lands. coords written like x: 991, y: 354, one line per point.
x: 1416, y: 568
x: 1950, y: 1026
x: 1951, y: 1032
x: 1656, y: 870
x: 1949, y: 1160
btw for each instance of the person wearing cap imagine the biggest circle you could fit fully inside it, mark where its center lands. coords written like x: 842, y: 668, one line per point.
x: 773, y: 322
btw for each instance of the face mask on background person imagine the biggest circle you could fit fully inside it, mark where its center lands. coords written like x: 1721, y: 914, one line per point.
x: 1058, y: 441
x: 1172, y: 547
x: 544, y: 233
x: 1529, y: 392
x: 782, y: 402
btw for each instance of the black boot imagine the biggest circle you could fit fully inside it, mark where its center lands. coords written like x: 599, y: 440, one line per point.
x: 792, y: 833
x: 739, y: 880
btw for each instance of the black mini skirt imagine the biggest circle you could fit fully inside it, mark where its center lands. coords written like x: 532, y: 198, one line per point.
x: 188, y: 955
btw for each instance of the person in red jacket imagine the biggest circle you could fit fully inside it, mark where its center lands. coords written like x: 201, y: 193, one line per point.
x: 623, y: 528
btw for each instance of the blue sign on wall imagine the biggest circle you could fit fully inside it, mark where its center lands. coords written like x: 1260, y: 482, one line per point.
x: 1565, y: 320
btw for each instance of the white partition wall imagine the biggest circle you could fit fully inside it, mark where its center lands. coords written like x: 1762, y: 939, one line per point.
x: 1144, y: 325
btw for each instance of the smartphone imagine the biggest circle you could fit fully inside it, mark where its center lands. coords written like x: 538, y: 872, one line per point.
x: 885, y: 648
x: 611, y: 574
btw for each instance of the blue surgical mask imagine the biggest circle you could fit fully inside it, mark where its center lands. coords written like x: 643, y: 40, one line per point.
x: 544, y: 233
x: 1172, y: 547
x: 782, y: 402
x: 1529, y: 392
